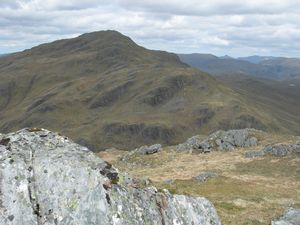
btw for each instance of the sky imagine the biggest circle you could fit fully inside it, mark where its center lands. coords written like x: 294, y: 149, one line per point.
x: 221, y: 27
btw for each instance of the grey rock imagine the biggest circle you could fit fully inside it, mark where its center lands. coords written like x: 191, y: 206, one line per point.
x: 281, y: 150
x: 220, y: 140
x: 191, y: 143
x: 127, y: 180
x: 278, y: 150
x: 291, y: 217
x: 169, y: 181
x: 254, y: 154
x: 144, y: 150
x: 205, y: 176
x: 47, y: 179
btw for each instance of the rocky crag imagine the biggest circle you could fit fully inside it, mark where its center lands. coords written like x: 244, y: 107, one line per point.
x: 220, y: 140
x: 45, y: 178
x: 217, y: 141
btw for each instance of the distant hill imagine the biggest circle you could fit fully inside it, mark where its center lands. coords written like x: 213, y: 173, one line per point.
x: 103, y: 90
x: 264, y: 67
x: 256, y: 59
x: 279, y: 98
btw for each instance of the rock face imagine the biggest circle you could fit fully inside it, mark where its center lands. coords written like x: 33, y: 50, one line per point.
x: 220, y: 140
x: 47, y: 179
x: 291, y: 217
x: 279, y: 150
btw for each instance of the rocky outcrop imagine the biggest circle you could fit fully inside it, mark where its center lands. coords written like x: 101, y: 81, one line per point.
x: 282, y: 149
x: 220, y: 140
x: 48, y: 179
x: 291, y: 217
x: 144, y: 150
x: 278, y: 150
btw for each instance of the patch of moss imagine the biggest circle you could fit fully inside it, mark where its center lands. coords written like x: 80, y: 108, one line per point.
x: 35, y: 129
x: 73, y: 203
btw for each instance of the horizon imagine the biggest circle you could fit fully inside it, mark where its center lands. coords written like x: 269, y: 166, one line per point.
x: 215, y: 26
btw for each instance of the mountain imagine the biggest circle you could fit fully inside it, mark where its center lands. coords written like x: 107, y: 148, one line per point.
x: 290, y: 66
x: 104, y: 91
x: 264, y: 67
x: 226, y: 57
x: 256, y: 59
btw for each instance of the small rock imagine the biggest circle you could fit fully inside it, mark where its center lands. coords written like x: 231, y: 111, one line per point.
x: 169, y: 181
x: 144, y: 150
x: 202, y: 177
x: 254, y: 154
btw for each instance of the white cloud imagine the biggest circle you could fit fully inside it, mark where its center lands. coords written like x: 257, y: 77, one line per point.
x: 217, y: 26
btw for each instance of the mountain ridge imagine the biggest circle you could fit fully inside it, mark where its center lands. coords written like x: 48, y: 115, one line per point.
x: 104, y: 85
x: 257, y: 66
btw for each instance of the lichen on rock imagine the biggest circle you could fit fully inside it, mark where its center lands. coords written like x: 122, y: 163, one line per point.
x: 48, y: 179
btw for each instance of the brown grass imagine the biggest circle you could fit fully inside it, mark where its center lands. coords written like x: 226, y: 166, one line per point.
x: 246, y: 191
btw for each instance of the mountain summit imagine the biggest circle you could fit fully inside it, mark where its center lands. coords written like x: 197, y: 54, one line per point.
x: 103, y: 90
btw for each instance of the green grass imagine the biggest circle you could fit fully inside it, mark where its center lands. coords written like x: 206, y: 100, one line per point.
x: 276, y: 167
x: 225, y: 193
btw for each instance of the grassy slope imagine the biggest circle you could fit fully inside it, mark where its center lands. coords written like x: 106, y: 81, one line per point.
x: 278, y: 98
x: 246, y: 191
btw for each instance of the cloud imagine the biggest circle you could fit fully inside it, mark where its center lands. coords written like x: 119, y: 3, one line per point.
x: 212, y: 7
x: 215, y: 26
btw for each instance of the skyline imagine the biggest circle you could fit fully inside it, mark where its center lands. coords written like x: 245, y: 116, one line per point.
x: 266, y: 27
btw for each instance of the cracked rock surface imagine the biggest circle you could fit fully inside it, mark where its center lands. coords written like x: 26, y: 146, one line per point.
x: 47, y: 179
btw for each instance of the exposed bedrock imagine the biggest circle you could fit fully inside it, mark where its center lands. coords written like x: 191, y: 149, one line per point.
x: 45, y: 178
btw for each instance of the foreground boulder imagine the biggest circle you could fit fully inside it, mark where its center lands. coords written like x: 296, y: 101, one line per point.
x: 48, y: 179
x: 291, y: 217
x: 220, y: 140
